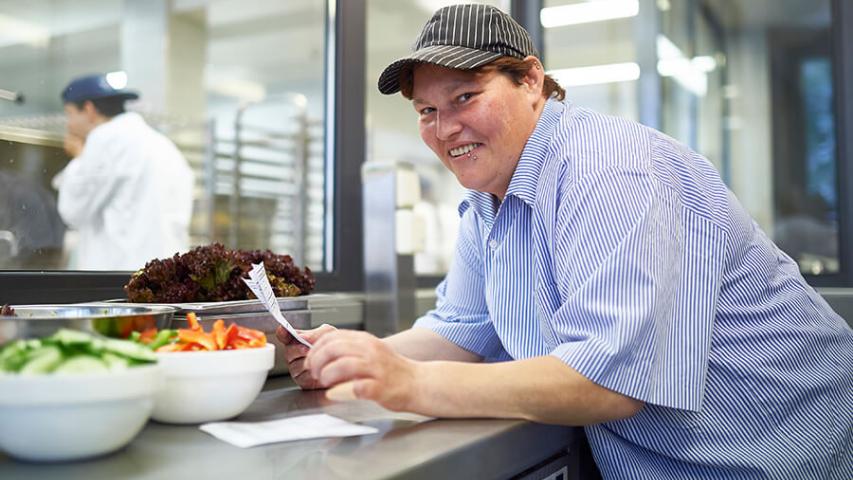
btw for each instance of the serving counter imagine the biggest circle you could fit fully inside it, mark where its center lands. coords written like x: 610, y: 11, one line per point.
x: 407, y: 446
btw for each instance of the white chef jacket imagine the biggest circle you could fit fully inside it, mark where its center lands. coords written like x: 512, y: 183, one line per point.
x: 129, y: 195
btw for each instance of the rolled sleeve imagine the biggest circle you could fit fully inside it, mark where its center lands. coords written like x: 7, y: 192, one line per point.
x: 639, y: 278
x: 461, y: 314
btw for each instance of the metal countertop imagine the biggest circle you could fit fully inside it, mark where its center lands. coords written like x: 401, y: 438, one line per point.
x: 407, y: 446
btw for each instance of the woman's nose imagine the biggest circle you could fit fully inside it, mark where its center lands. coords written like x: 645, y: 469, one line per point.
x: 447, y: 125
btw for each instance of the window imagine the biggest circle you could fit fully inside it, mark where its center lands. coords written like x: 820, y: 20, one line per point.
x: 237, y: 85
x: 250, y: 91
x: 753, y: 85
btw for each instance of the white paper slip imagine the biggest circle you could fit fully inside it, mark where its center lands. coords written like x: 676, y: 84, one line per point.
x: 259, y: 284
x: 251, y: 434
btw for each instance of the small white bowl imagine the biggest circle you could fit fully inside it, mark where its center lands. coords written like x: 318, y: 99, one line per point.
x: 57, y: 417
x: 208, y: 386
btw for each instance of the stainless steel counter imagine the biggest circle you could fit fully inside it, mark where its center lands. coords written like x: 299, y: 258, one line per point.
x: 407, y: 446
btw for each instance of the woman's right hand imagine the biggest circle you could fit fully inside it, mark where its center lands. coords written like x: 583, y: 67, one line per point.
x: 295, y: 353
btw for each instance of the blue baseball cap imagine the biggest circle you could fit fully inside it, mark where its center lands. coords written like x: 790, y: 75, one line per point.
x: 91, y: 87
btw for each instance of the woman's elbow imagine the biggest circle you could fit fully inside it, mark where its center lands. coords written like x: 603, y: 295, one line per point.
x: 626, y: 407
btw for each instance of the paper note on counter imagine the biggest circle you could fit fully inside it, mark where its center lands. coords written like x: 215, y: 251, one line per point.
x: 251, y: 434
x: 259, y: 284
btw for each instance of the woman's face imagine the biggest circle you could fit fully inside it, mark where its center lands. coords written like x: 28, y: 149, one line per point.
x: 477, y: 123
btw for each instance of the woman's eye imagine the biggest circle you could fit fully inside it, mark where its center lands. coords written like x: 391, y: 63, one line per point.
x: 426, y: 111
x: 465, y: 97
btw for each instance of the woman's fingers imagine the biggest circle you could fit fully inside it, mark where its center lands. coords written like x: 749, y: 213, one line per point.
x: 343, y: 369
x: 311, y: 335
x: 316, y: 334
x: 283, y: 335
x: 295, y: 352
x: 332, y: 348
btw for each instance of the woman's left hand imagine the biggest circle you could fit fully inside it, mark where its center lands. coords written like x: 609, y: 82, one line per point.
x: 376, y: 371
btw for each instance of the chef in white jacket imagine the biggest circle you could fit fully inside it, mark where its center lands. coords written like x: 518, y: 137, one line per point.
x: 127, y: 191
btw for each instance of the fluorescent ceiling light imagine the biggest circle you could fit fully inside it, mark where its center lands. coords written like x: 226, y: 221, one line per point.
x: 117, y: 80
x: 245, y: 90
x: 14, y: 31
x: 612, y: 73
x: 687, y: 72
x: 587, y: 12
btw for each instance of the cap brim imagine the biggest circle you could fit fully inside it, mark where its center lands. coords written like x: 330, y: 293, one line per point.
x: 125, y: 95
x: 449, y: 56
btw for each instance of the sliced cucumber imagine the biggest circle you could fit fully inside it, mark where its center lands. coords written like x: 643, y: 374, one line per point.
x: 72, y: 337
x: 42, y: 360
x: 133, y: 351
x: 82, y: 364
x: 13, y: 356
x: 81, y: 351
x: 115, y: 362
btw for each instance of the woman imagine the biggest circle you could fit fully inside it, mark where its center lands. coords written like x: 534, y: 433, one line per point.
x: 604, y: 277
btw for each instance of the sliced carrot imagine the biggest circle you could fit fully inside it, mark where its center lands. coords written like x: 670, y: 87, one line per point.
x: 219, y: 334
x: 193, y: 321
x: 194, y: 338
x: 200, y: 337
x: 148, y: 335
x: 230, y: 335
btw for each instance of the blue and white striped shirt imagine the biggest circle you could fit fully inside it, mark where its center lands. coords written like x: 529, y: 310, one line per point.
x: 622, y: 253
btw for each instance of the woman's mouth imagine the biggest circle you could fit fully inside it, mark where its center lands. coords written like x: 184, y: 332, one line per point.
x: 463, y: 150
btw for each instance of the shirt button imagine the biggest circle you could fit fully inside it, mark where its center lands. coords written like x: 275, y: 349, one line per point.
x: 493, y: 244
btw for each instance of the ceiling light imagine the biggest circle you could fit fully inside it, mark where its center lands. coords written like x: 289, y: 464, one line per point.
x: 690, y: 73
x: 598, y: 74
x: 587, y: 12
x: 14, y: 31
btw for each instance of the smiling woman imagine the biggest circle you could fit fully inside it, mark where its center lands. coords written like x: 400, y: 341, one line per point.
x: 457, y: 111
x: 604, y: 276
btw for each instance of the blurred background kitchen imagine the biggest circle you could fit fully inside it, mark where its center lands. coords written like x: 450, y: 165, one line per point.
x: 274, y: 105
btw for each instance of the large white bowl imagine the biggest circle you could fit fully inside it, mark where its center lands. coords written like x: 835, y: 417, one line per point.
x: 209, y: 386
x: 59, y: 417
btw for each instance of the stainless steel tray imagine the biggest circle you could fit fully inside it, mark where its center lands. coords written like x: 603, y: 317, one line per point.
x: 114, y: 320
x: 232, y: 307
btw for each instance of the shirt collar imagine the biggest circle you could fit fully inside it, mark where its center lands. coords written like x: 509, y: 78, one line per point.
x: 526, y: 176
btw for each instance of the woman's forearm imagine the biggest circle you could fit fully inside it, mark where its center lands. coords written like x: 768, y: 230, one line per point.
x: 542, y: 389
x: 425, y: 345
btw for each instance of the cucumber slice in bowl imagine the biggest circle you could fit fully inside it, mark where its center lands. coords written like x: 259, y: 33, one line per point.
x: 42, y: 360
x: 82, y: 364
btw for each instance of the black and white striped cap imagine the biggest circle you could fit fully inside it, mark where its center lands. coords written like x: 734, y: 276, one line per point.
x: 463, y: 37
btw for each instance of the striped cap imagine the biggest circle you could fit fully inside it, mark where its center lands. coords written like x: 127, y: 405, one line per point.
x: 463, y: 37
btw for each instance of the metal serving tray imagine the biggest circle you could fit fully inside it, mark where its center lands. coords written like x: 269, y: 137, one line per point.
x: 231, y: 307
x: 113, y: 320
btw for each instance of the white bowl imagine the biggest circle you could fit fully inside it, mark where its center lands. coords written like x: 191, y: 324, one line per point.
x: 209, y: 386
x: 59, y: 417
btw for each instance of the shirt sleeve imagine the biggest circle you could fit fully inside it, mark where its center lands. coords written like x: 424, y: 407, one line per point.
x: 638, y: 277
x: 88, y: 183
x: 461, y: 314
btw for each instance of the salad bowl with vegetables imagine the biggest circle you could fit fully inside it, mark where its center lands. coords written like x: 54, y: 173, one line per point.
x: 208, y: 375
x: 73, y: 395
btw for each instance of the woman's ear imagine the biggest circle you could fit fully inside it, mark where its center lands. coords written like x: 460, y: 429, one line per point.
x: 534, y: 79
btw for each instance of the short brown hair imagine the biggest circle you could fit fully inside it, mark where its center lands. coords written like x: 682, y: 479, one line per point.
x: 512, y: 67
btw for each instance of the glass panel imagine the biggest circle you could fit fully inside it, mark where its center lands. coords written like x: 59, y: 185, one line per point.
x: 590, y: 51
x: 766, y: 115
x: 222, y: 79
x: 392, y: 127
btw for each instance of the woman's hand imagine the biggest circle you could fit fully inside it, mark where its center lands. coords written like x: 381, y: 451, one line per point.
x: 377, y: 372
x: 295, y: 352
